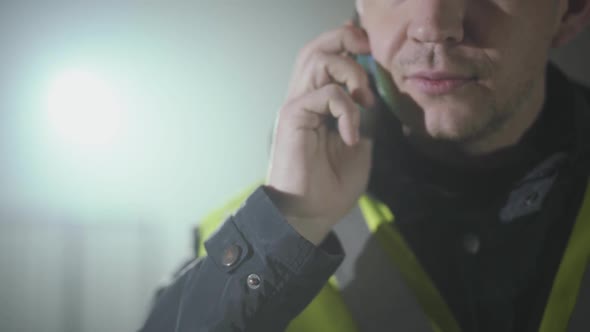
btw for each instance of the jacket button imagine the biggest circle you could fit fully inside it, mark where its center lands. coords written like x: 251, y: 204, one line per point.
x: 230, y: 255
x: 253, y: 281
x: 471, y: 243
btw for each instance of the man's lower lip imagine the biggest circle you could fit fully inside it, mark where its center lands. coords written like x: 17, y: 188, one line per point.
x: 437, y: 87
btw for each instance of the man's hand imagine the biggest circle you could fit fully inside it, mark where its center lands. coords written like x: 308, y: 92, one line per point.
x: 318, y: 172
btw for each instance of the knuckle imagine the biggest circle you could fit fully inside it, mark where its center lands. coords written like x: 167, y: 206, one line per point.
x: 346, y: 70
x: 319, y: 62
x: 335, y: 90
x: 319, y: 59
x: 357, y: 69
x: 349, y: 33
x: 348, y: 30
x: 339, y: 96
x: 314, y: 44
x: 303, y: 52
x: 310, y: 120
x: 288, y: 108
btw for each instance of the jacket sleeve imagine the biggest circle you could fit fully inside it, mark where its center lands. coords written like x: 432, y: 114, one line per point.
x: 258, y: 275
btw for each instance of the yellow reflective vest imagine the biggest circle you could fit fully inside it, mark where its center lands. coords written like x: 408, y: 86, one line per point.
x: 417, y: 303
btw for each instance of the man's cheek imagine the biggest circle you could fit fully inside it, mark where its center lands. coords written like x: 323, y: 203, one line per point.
x: 382, y: 50
x: 386, y: 36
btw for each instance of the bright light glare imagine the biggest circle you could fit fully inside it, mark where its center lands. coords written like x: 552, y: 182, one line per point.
x: 83, y: 109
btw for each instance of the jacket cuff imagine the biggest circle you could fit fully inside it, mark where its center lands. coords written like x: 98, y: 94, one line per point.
x: 258, y: 228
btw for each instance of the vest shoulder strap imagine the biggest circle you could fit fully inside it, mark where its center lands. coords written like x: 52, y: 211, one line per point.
x: 571, y: 288
x: 372, y: 286
x: 381, y: 223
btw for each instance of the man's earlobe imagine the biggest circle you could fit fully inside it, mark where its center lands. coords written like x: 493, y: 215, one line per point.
x: 575, y: 19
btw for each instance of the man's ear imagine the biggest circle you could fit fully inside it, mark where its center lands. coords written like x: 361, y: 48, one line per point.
x: 575, y: 17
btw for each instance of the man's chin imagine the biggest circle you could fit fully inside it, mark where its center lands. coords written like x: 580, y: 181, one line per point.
x: 447, y: 130
x: 453, y: 123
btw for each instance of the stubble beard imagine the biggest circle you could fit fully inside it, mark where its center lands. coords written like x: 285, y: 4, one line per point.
x: 474, y: 132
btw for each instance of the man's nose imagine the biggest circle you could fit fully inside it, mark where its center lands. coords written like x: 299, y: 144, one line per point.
x: 437, y: 21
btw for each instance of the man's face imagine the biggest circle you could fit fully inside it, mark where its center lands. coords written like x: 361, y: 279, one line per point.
x: 470, y: 65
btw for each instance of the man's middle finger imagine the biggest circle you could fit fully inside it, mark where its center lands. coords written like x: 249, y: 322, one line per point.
x: 349, y: 39
x: 324, y: 69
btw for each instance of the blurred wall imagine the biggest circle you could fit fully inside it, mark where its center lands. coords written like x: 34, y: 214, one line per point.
x: 62, y: 276
x: 86, y: 234
x: 199, y: 83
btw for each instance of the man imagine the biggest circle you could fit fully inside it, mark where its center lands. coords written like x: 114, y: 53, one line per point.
x: 480, y: 150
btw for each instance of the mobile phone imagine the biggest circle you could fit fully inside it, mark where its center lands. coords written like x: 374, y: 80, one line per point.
x: 381, y: 79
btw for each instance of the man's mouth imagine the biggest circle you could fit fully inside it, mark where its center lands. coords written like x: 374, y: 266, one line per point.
x: 438, y: 82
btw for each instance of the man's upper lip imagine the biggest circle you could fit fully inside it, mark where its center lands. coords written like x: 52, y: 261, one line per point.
x: 439, y: 76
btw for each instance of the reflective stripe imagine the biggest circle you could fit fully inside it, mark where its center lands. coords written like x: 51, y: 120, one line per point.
x: 380, y: 219
x: 326, y: 313
x: 374, y: 289
x: 580, y: 320
x: 566, y: 287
